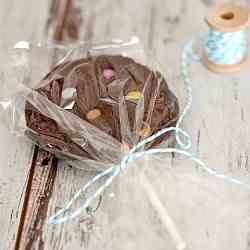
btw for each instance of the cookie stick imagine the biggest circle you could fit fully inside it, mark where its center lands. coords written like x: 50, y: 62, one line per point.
x: 168, y: 222
x: 180, y: 244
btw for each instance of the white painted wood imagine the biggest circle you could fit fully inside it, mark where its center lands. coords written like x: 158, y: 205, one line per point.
x: 19, y: 20
x: 211, y: 213
x: 218, y: 124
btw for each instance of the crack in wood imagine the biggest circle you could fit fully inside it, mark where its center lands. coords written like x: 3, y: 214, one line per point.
x: 198, y: 147
x: 173, y: 22
x: 246, y: 162
x: 89, y: 29
x: 41, y: 214
x: 151, y: 27
x: 65, y: 22
x: 26, y: 200
x: 242, y: 115
x: 207, y: 3
x: 235, y: 90
x: 198, y: 142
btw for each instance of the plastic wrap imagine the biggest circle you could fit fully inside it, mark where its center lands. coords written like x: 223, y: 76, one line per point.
x: 78, y: 113
x: 147, y: 206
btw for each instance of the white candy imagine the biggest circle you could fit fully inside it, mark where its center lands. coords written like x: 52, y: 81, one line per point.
x: 68, y: 93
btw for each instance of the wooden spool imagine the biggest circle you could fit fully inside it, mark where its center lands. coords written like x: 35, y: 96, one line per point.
x: 226, y: 18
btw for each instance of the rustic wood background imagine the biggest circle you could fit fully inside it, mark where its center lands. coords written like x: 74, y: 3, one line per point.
x: 219, y: 121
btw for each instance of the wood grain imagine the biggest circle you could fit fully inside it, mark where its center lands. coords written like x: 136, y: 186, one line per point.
x: 16, y: 153
x: 164, y: 27
x: 44, y: 166
x: 218, y: 124
x: 37, y: 195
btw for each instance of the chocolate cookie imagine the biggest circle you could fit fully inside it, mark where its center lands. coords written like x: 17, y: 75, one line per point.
x: 115, y: 94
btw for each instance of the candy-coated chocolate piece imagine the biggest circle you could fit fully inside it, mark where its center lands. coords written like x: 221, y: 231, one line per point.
x: 134, y: 95
x: 108, y: 73
x: 93, y: 114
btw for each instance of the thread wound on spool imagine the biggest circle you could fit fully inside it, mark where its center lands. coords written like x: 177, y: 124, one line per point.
x: 226, y: 45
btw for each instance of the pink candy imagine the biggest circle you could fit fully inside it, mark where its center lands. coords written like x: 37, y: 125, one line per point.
x: 108, y: 73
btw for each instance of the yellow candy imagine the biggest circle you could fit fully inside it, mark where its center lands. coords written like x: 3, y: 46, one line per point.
x: 133, y: 95
x: 144, y: 132
x: 93, y: 114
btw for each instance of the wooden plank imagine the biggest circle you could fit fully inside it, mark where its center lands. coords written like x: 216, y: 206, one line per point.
x: 44, y: 166
x: 212, y: 124
x: 16, y: 153
x: 102, y: 21
x: 164, y: 27
x: 37, y: 194
x: 163, y: 24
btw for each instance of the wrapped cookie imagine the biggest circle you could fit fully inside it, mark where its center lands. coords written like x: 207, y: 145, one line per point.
x: 120, y: 97
x: 112, y: 111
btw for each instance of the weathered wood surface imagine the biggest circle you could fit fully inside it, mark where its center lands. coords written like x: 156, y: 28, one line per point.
x: 63, y: 24
x: 20, y: 20
x: 218, y: 122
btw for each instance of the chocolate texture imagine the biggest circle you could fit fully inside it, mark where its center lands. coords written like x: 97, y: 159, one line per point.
x: 105, y: 91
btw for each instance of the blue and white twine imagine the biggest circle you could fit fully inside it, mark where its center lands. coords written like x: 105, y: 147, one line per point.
x: 221, y: 48
x: 226, y: 48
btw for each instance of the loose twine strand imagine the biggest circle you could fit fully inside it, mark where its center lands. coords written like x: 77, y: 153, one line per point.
x: 221, y: 48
